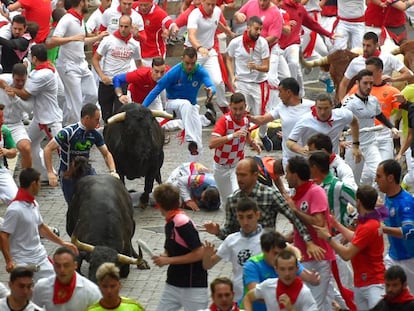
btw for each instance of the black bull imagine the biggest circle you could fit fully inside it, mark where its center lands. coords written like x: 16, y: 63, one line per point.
x: 136, y: 144
x: 101, y: 214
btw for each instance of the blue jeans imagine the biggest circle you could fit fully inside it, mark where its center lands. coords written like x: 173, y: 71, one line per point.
x: 68, y: 184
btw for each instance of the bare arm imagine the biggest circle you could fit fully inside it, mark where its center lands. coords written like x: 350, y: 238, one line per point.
x: 96, y: 64
x: 193, y: 256
x: 51, y: 146
x: 5, y: 248
x: 45, y: 232
x: 342, y: 88
x: 109, y: 160
x: 249, y: 299
x: 210, y: 257
x: 264, y: 119
x: 295, y: 147
x: 58, y: 41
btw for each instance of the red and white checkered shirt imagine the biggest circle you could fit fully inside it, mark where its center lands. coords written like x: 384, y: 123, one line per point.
x: 233, y: 150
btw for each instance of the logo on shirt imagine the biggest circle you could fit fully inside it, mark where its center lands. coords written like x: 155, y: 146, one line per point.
x: 304, y: 206
x: 195, y: 83
x: 83, y: 146
x: 392, y: 212
x: 243, y: 255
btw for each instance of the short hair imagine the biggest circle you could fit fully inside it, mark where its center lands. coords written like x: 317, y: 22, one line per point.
x: 32, y: 29
x: 392, y: 167
x: 211, y: 199
x: 246, y: 204
x: 125, y: 16
x: 290, y: 84
x: 220, y: 280
x: 271, y: 239
x: 237, y: 98
x: 321, y: 141
x: 20, y: 272
x: 320, y: 159
x: 363, y: 73
x: 19, y: 69
x: 190, y: 52
x: 19, y: 19
x: 375, y: 61
x: 89, y: 110
x: 254, y: 19
x: 368, y: 196
x: 40, y: 51
x: 74, y: 3
x: 252, y: 164
x: 278, y: 167
x: 324, y: 97
x: 157, y: 61
x: 371, y: 36
x: 167, y: 196
x: 286, y: 255
x: 395, y: 273
x: 64, y: 250
x: 107, y: 269
x: 298, y: 165
x: 57, y: 14
x: 28, y: 176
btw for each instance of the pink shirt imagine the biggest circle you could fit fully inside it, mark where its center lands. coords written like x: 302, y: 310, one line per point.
x: 271, y: 17
x: 312, y: 202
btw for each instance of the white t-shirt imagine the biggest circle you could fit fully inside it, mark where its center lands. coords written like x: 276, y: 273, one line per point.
x: 308, y: 125
x: 351, y: 8
x: 312, y: 5
x: 72, y: 51
x: 43, y: 86
x: 267, y: 291
x: 30, y: 307
x: 241, y: 57
x: 86, y: 293
x: 391, y: 63
x: 206, y: 27
x: 288, y: 116
x: 237, y: 249
x: 365, y: 112
x: 111, y: 16
x: 94, y: 21
x: 117, y: 55
x: 22, y: 221
x: 343, y: 171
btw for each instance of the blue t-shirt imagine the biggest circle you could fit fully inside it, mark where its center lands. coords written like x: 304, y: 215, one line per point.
x: 401, y: 209
x: 256, y: 270
x: 74, y: 140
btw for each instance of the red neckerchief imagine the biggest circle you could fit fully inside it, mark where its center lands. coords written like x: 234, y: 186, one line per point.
x: 117, y: 34
x: 291, y: 290
x: 63, y: 292
x: 23, y: 195
x: 248, y: 43
x: 332, y: 157
x: 376, y: 54
x: 119, y: 10
x: 76, y: 14
x: 315, y: 115
x: 171, y: 214
x: 204, y: 13
x: 101, y: 8
x: 213, y: 307
x: 301, y: 190
x: 45, y: 65
x: 404, y: 297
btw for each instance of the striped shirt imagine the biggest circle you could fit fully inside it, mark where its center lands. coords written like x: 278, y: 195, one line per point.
x: 270, y: 203
x: 339, y: 195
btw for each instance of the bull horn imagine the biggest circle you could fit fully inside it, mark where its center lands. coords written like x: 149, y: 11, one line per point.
x: 315, y: 63
x: 129, y: 260
x: 82, y: 246
x: 396, y: 51
x: 162, y: 114
x: 117, y: 117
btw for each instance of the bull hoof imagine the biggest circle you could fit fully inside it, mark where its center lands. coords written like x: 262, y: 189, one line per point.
x: 143, y: 265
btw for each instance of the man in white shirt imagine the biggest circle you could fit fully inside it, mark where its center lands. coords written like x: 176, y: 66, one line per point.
x: 115, y: 52
x: 284, y: 293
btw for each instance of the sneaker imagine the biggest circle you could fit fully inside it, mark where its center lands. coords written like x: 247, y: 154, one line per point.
x: 211, y: 116
x: 267, y: 143
x: 192, y: 147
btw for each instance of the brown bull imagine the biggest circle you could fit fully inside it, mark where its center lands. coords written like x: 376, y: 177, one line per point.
x: 336, y: 63
x: 407, y: 49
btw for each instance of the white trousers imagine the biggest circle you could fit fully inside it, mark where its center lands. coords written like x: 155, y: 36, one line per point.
x: 80, y: 89
x: 320, y: 292
x: 174, y: 298
x: 367, y: 297
x: 36, y: 136
x: 385, y: 143
x: 348, y: 32
x: 8, y: 188
x: 226, y: 180
x: 211, y: 64
x: 291, y: 54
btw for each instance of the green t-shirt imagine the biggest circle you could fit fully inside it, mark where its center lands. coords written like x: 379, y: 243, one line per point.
x: 126, y: 305
x: 8, y: 139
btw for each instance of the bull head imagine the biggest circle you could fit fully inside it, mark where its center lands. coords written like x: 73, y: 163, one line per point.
x: 119, y: 117
x: 121, y: 257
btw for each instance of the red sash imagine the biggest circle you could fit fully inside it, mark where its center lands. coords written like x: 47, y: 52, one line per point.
x: 62, y: 293
x: 404, y: 297
x: 117, y: 34
x: 291, y: 290
x: 45, y: 65
x: 213, y: 307
x: 76, y: 14
x: 315, y: 115
x: 23, y: 195
x: 248, y: 43
x: 301, y: 190
x: 204, y: 13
